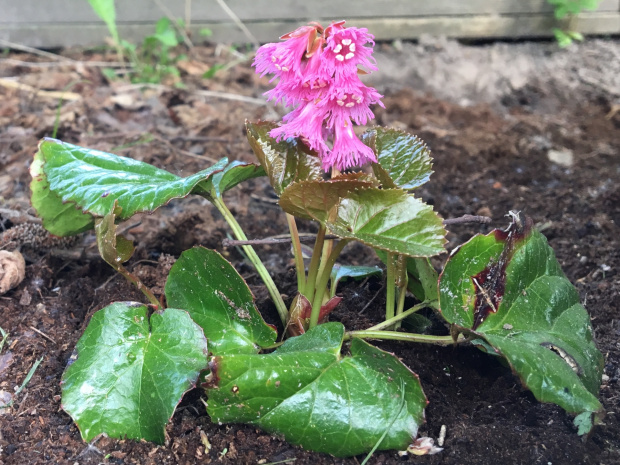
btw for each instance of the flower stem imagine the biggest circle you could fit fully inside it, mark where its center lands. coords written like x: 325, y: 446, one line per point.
x: 313, y: 269
x: 390, y: 287
x: 323, y: 280
x: 253, y: 257
x: 398, y: 336
x: 401, y: 316
x: 297, y: 253
x: 401, y: 283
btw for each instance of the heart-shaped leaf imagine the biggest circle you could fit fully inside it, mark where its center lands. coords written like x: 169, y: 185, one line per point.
x: 403, y: 160
x: 284, y: 162
x: 387, y: 219
x: 94, y: 180
x: 234, y: 173
x: 130, y: 373
x: 61, y: 219
x: 202, y: 282
x: 508, y: 288
x: 314, y: 397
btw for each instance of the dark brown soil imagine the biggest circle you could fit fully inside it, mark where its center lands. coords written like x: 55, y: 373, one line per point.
x: 485, y: 163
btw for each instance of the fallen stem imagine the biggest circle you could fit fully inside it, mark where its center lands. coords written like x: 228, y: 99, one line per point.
x: 407, y: 337
x: 274, y: 240
x: 35, y: 51
x: 309, y: 238
x: 468, y: 219
x: 239, y: 23
x: 26, y: 381
x: 5, y: 336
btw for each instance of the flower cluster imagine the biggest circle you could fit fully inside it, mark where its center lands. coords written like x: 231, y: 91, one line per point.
x: 318, y: 71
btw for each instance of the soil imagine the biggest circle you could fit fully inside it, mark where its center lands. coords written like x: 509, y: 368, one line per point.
x: 546, y: 146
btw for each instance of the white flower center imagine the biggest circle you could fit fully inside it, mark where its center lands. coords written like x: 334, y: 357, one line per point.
x: 357, y: 99
x: 345, y: 50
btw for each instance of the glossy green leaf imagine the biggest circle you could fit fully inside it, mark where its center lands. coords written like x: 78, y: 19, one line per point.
x: 131, y: 371
x: 386, y: 219
x: 312, y: 396
x: 206, y: 285
x: 340, y: 272
x: 61, y: 219
x: 284, y: 162
x: 234, y: 173
x: 508, y: 288
x: 94, y: 180
x: 403, y: 160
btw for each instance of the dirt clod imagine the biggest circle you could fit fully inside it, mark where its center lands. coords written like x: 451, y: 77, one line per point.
x: 12, y: 270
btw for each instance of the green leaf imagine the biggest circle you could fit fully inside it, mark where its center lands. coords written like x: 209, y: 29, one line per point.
x: 315, y: 398
x: 340, y: 272
x: 234, y: 173
x: 165, y: 33
x: 416, y: 323
x: 106, y: 10
x: 206, y: 285
x: 93, y: 181
x: 423, y: 279
x: 584, y: 423
x: 403, y: 160
x: 61, y: 219
x: 508, y: 288
x: 386, y: 219
x: 130, y: 373
x: 284, y: 162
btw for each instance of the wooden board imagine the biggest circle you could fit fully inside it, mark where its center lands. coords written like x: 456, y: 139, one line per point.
x: 64, y: 23
x: 146, y: 11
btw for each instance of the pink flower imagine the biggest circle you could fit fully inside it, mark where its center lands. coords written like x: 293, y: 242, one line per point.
x: 346, y: 49
x: 284, y: 58
x: 352, y: 98
x: 306, y: 121
x: 318, y: 73
x: 348, y: 150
